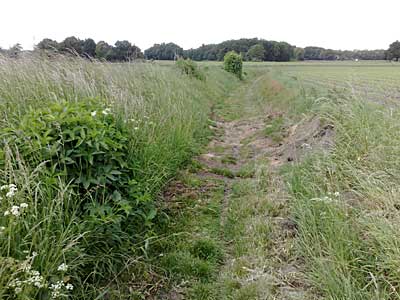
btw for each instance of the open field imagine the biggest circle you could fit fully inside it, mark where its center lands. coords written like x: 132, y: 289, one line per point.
x: 138, y: 181
x: 376, y: 80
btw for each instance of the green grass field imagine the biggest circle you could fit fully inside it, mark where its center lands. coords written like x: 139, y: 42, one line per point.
x: 138, y: 181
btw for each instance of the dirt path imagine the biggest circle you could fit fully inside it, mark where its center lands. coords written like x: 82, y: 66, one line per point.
x: 243, y: 161
x: 239, y: 155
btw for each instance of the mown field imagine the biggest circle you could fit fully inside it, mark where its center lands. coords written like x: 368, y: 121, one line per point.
x: 372, y: 80
x: 345, y: 200
x: 139, y: 181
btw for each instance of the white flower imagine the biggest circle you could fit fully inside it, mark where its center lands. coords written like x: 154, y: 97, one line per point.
x: 2, y: 228
x: 69, y: 287
x: 18, y: 290
x: 93, y: 113
x: 136, y: 128
x: 337, y: 194
x: 56, y: 289
x: 63, y: 267
x: 15, y: 210
x: 106, y: 111
x: 24, y: 205
x: 6, y: 213
x: 27, y: 267
x: 36, y: 279
x: 12, y: 189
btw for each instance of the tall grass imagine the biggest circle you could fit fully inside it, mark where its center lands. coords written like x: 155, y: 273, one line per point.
x: 166, y: 114
x: 346, y: 202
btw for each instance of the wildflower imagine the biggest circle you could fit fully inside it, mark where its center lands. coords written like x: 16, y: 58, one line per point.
x: 106, y: 111
x: 2, y: 228
x: 93, y: 113
x: 6, y: 213
x: 136, y: 128
x: 12, y: 189
x: 56, y: 289
x: 24, y: 205
x: 35, y: 279
x: 18, y: 290
x: 15, y: 210
x: 337, y: 194
x: 63, y: 267
x: 69, y: 287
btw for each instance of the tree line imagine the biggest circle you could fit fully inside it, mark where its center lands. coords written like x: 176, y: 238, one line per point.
x: 120, y: 51
x: 88, y: 48
x: 260, y: 50
x: 253, y: 49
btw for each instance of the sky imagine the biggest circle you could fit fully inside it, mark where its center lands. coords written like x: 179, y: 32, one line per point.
x: 336, y: 24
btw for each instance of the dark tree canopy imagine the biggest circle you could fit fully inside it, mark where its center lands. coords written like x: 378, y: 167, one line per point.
x: 252, y: 49
x: 394, y: 51
x: 256, y: 53
x: 164, y: 51
x: 122, y: 51
x: 71, y: 45
x: 89, y: 48
x: 47, y: 44
x: 125, y: 51
x: 263, y: 50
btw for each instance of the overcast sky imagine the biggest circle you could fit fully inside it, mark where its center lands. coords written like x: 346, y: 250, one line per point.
x: 337, y: 24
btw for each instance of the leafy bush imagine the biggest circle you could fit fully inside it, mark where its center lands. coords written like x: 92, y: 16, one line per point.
x: 189, y: 67
x: 85, y: 144
x: 233, y: 63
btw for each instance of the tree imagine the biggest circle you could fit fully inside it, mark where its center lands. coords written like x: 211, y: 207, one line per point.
x: 15, y: 50
x: 123, y: 50
x: 89, y: 48
x: 298, y: 53
x: 394, y: 51
x: 164, y: 51
x: 71, y: 45
x: 104, y: 51
x: 233, y: 63
x: 313, y: 53
x: 48, y: 45
x: 256, y: 53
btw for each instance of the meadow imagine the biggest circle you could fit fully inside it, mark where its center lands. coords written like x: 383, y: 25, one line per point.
x: 157, y: 180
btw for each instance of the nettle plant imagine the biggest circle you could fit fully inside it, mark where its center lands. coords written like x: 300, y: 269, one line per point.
x: 85, y: 144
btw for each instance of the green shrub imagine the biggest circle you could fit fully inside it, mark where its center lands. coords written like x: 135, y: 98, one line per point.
x: 85, y: 144
x: 189, y: 67
x: 233, y: 63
